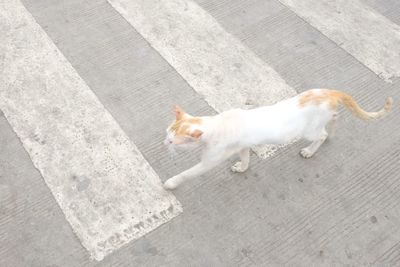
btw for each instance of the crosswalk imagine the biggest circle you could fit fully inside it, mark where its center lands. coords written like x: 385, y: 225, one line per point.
x: 108, y: 192
x: 215, y: 64
x: 85, y: 157
x: 365, y: 34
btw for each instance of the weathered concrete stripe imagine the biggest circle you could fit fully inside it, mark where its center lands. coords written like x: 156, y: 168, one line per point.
x: 108, y: 192
x: 365, y: 34
x: 217, y: 65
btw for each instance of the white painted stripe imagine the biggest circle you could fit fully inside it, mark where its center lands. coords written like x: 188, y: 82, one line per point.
x: 106, y: 189
x: 217, y: 65
x: 365, y: 34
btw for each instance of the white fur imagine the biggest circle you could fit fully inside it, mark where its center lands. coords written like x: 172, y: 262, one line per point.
x: 235, y: 131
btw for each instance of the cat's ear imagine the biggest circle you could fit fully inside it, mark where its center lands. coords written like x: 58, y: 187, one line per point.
x: 178, y: 112
x: 196, y: 134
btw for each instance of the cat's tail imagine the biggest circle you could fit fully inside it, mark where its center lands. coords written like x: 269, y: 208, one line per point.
x: 354, y: 108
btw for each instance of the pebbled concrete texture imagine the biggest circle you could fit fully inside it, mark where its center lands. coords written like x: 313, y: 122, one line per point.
x: 108, y: 192
x: 335, y: 209
x: 28, y: 210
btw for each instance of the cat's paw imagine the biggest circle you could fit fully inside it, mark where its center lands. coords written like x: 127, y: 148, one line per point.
x: 306, y: 153
x: 170, y: 184
x: 237, y: 167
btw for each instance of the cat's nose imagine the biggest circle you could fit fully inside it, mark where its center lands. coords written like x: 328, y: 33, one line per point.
x: 167, y: 142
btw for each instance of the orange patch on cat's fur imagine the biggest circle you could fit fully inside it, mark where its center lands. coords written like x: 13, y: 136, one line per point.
x: 332, y: 97
x: 181, y: 127
x: 183, y: 122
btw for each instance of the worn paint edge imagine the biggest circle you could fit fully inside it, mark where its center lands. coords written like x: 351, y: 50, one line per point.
x: 212, y: 61
x: 148, y: 223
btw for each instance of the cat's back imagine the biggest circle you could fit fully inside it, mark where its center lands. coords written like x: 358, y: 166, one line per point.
x: 232, y: 114
x: 230, y: 119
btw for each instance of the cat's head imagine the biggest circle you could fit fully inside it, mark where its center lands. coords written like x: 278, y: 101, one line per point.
x: 185, y: 130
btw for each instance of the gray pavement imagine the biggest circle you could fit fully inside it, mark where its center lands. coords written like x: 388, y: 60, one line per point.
x: 339, y: 208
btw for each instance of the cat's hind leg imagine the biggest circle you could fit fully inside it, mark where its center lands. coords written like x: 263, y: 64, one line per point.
x: 310, y: 150
x: 243, y: 164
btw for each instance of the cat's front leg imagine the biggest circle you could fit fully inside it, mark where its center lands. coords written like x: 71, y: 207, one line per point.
x: 172, y: 183
x: 210, y: 159
x: 196, y: 170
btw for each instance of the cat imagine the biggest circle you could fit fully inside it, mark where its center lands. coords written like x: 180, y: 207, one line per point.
x: 304, y: 116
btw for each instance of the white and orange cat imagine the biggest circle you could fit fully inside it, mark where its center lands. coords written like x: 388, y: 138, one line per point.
x: 235, y: 131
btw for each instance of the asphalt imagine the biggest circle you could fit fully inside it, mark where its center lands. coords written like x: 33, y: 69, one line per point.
x: 339, y: 208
